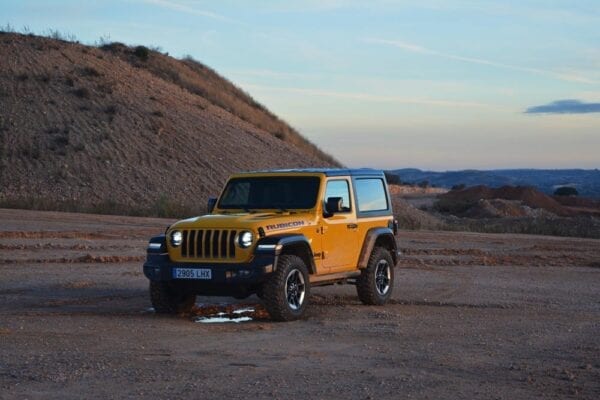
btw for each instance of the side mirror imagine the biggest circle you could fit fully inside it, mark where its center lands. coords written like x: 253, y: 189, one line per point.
x: 212, y: 201
x: 333, y: 205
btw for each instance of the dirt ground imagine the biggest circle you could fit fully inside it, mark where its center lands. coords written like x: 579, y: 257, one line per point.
x: 473, y: 316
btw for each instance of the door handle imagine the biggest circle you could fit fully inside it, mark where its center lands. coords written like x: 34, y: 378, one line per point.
x: 352, y: 226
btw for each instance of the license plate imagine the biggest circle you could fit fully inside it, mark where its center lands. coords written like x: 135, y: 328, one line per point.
x: 192, y: 273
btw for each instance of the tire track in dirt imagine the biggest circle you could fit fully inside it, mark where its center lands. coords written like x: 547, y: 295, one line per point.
x: 135, y: 233
x: 80, y: 301
x: 444, y: 252
x: 76, y: 313
x: 493, y: 260
x: 53, y: 246
x: 437, y: 303
x: 86, y: 259
x: 342, y: 300
x: 421, y: 252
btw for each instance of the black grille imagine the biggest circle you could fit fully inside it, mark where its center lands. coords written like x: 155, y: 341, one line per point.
x: 208, y: 243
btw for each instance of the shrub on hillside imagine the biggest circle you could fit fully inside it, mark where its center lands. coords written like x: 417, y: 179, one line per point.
x: 141, y: 52
x: 58, y: 35
x: 566, y: 191
x: 8, y: 28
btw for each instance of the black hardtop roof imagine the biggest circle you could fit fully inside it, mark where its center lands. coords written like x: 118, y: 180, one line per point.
x: 327, y: 171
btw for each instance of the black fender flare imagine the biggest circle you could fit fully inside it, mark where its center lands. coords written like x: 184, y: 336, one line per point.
x: 290, y: 243
x: 157, y: 244
x: 382, y: 236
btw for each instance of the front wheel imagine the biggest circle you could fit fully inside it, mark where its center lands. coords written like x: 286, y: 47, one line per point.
x: 167, y: 300
x: 286, y: 292
x: 374, y: 285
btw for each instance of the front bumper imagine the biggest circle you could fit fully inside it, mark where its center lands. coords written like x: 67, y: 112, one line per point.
x: 226, y: 278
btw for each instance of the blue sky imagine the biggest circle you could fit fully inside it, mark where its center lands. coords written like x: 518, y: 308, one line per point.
x: 431, y: 84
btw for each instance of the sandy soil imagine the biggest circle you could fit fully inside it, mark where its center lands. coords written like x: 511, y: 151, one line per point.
x: 473, y: 316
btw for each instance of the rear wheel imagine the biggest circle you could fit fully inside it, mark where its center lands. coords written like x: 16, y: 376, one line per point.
x: 286, y: 292
x: 167, y: 300
x: 376, y: 282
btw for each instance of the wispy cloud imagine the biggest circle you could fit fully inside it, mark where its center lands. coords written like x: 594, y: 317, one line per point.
x: 370, y: 97
x: 312, y: 5
x: 414, y: 48
x: 173, y: 5
x: 565, y: 107
x: 268, y: 73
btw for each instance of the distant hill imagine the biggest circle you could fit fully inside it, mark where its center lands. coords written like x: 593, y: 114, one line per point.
x: 128, y: 129
x: 587, y: 182
x: 527, y: 195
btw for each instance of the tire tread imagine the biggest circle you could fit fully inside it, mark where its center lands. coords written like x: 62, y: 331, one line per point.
x: 365, y: 284
x: 274, y: 297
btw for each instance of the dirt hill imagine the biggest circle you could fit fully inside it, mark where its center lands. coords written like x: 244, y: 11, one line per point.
x: 122, y: 129
x: 581, y: 205
x: 457, y: 201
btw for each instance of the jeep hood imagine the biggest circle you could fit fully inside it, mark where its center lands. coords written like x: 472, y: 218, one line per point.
x: 269, y: 221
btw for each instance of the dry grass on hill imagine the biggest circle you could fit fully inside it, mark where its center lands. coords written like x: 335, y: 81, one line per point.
x: 128, y: 130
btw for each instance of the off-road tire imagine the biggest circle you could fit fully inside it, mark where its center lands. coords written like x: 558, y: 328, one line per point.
x: 290, y: 270
x: 166, y: 300
x: 369, y: 285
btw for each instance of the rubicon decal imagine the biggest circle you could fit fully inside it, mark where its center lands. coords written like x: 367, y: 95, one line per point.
x: 293, y: 224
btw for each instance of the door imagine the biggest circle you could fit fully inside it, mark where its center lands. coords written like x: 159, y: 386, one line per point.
x: 339, y: 231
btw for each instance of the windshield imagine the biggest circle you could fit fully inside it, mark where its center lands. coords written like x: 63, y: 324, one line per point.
x: 280, y: 192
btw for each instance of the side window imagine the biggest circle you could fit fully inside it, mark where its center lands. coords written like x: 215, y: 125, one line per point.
x: 339, y: 188
x: 370, y: 195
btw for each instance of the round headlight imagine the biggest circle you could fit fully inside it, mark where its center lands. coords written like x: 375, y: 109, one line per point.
x: 245, y: 239
x: 176, y: 238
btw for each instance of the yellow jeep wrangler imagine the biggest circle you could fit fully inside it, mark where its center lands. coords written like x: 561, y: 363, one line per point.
x: 276, y: 234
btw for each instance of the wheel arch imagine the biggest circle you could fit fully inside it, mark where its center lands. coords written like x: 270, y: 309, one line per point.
x: 382, y: 237
x: 293, y: 244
